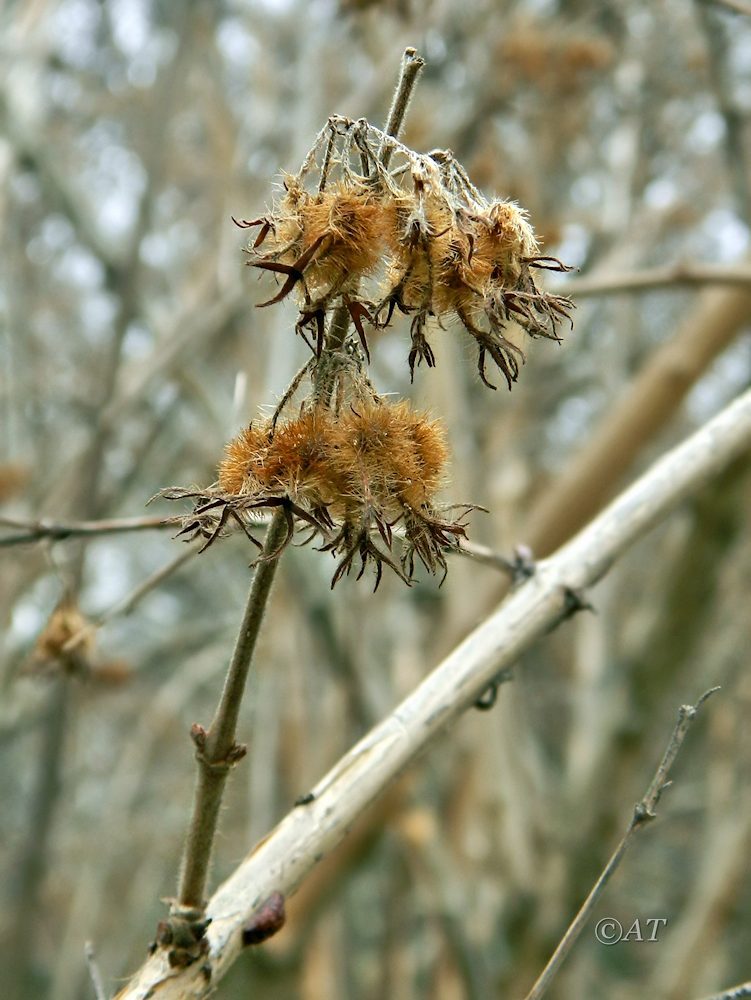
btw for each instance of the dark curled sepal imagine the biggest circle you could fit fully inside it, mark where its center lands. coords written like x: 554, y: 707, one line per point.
x: 266, y: 921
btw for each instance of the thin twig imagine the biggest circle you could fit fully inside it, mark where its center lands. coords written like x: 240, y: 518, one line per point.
x: 282, y: 859
x: 487, y: 557
x: 216, y: 747
x: 94, y: 973
x: 659, y: 277
x: 33, y: 531
x: 126, y: 605
x: 644, y: 812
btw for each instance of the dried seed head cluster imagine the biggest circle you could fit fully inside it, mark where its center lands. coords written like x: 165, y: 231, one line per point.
x: 362, y: 474
x: 417, y: 237
x: 365, y: 229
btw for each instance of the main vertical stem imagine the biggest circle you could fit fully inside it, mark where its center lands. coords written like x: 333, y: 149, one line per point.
x: 217, y: 750
x: 412, y: 65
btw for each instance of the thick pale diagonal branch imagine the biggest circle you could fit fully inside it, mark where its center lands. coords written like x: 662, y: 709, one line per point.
x: 733, y: 993
x: 281, y: 861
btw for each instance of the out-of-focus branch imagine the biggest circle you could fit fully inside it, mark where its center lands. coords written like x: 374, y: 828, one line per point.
x: 658, y: 277
x: 126, y: 605
x: 30, y: 530
x: 190, y: 332
x: 281, y: 860
x: 58, y: 192
x: 123, y: 277
x: 736, y: 156
x: 738, y: 7
x: 632, y: 421
x: 644, y: 812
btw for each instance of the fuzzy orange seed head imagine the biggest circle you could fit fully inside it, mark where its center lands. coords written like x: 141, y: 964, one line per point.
x: 503, y: 236
x: 297, y: 463
x: 242, y: 467
x: 389, y: 454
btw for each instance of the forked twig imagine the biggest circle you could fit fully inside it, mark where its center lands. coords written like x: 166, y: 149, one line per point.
x: 94, y: 973
x: 644, y: 812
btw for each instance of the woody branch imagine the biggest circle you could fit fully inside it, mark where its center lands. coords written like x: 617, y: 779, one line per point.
x: 284, y: 858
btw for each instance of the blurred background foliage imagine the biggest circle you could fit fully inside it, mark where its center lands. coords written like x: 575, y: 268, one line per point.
x: 130, y: 132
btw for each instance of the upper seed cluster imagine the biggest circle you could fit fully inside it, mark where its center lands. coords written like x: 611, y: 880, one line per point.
x: 418, y: 237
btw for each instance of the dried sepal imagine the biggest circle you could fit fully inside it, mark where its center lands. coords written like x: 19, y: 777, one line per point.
x: 355, y: 541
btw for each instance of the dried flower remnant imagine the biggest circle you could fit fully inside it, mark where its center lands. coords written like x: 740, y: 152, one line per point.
x: 66, y: 643
x: 368, y: 229
x: 417, y: 238
x: 352, y: 473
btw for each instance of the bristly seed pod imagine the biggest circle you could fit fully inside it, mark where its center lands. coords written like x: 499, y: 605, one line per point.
x: 353, y: 477
x: 418, y: 238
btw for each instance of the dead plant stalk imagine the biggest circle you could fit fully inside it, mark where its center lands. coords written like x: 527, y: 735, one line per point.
x: 280, y: 862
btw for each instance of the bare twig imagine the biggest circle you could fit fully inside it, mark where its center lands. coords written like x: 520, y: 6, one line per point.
x: 283, y: 859
x: 411, y: 68
x: 94, y: 973
x: 644, y: 812
x: 126, y: 605
x: 518, y: 567
x: 30, y: 530
x: 659, y: 277
x: 33, y: 531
